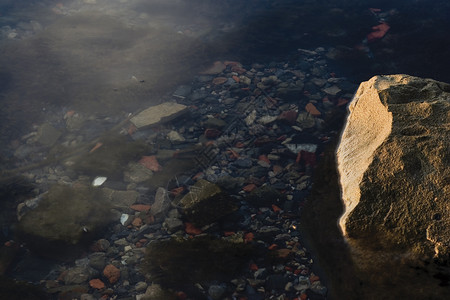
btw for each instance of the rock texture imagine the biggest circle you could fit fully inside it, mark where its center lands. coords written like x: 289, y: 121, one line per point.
x: 393, y: 160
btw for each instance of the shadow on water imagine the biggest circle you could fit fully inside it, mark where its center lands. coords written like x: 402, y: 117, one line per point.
x: 351, y: 271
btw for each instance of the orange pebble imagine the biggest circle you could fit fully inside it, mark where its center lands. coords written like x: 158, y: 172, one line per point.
x: 273, y: 247
x: 312, y: 110
x: 264, y: 158
x: 276, y: 208
x: 191, y: 229
x: 98, y: 145
x: 250, y: 187
x: 97, y: 284
x: 249, y: 237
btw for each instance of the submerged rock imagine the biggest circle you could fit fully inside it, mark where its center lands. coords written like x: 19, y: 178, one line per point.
x: 47, y: 135
x: 163, y: 112
x: 65, y: 217
x: 206, y: 203
x: 393, y: 161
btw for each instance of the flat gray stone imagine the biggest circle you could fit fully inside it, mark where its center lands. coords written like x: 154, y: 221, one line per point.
x: 162, y: 203
x: 160, y: 113
x: 332, y: 90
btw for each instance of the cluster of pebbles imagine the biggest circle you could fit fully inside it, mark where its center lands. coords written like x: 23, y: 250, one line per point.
x: 256, y: 132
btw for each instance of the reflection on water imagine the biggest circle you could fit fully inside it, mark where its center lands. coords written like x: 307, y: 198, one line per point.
x: 85, y: 65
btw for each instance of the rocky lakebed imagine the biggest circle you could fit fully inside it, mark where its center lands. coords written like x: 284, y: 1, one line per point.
x: 248, y: 180
x: 197, y: 197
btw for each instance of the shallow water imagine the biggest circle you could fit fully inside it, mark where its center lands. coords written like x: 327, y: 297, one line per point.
x: 108, y: 58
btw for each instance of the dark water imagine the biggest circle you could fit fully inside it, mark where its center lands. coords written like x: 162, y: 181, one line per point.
x: 58, y: 54
x: 113, y: 57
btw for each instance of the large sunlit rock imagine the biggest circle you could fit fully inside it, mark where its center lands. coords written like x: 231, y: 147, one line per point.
x: 393, y: 161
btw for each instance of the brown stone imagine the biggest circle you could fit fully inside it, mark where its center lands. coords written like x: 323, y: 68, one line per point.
x: 393, y: 161
x: 219, y: 80
x: 96, y: 284
x: 311, y: 108
x: 137, y: 222
x: 112, y: 273
x: 290, y: 116
x: 151, y: 163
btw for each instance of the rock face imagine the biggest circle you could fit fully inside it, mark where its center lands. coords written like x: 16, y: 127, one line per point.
x: 393, y: 160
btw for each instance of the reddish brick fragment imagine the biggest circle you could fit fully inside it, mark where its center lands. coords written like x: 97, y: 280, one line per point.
x: 264, y: 158
x: 253, y: 267
x: 249, y: 237
x: 290, y: 116
x: 311, y: 108
x: 378, y: 32
x: 275, y: 208
x: 191, y: 229
x: 96, y: 284
x: 273, y: 247
x: 151, y: 163
x: 250, y: 187
x: 112, y: 273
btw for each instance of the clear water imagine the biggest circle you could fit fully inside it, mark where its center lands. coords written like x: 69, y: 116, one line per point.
x: 109, y: 58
